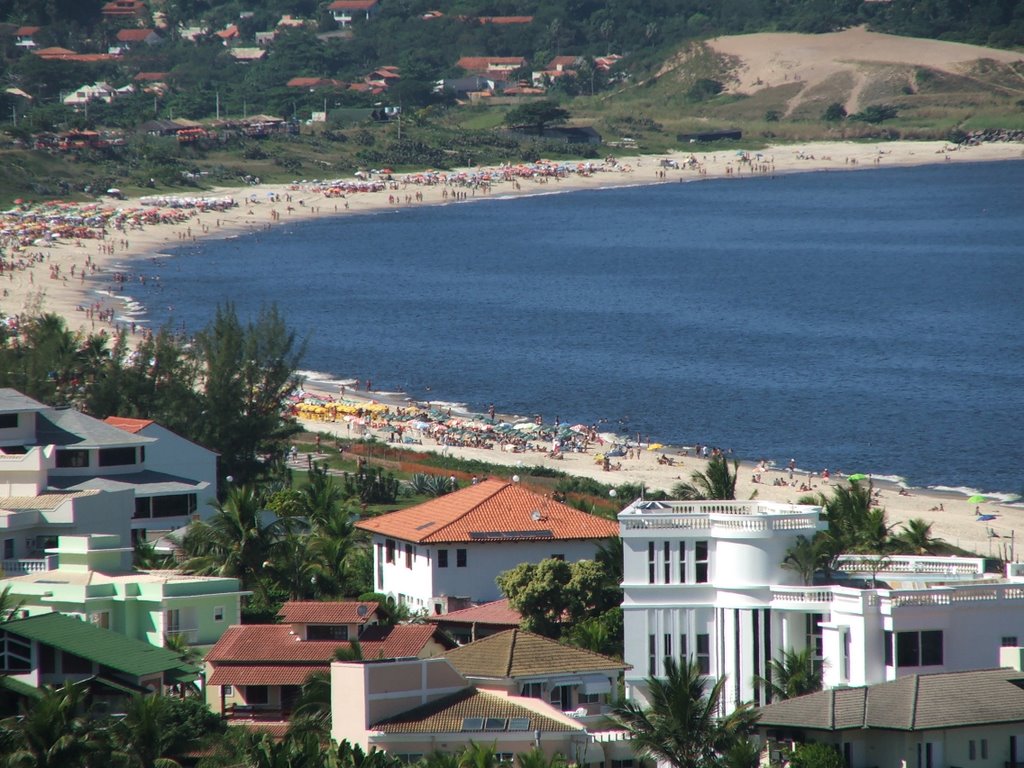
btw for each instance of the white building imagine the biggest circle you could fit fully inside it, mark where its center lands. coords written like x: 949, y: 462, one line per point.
x: 456, y: 545
x: 705, y: 580
x: 62, y: 472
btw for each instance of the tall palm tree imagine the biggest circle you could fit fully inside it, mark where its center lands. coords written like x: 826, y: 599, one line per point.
x: 792, y: 674
x: 536, y: 758
x: 810, y: 556
x: 439, y: 759
x: 51, y: 732
x: 235, y: 541
x: 715, y: 482
x: 479, y: 756
x: 680, y: 726
x: 916, y: 538
x: 143, y: 738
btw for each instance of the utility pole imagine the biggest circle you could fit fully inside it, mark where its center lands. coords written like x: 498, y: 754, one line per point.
x: 218, y: 104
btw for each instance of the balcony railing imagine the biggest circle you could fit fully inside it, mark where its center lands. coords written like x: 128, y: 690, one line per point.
x: 797, y: 596
x: 910, y: 564
x: 190, y: 636
x: 19, y: 567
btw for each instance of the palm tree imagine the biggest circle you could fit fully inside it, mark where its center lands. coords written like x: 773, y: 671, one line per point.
x: 793, y: 674
x: 9, y: 604
x: 916, y: 538
x: 680, y: 726
x: 235, y: 541
x: 536, y: 758
x: 50, y: 732
x: 143, y: 737
x: 715, y: 482
x: 809, y: 556
x: 440, y: 760
x: 479, y: 756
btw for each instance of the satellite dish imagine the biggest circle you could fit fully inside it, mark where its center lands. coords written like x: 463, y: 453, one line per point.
x: 535, y: 515
x: 361, y: 610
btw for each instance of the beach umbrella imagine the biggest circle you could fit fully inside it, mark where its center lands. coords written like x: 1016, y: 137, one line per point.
x: 977, y: 499
x: 857, y: 477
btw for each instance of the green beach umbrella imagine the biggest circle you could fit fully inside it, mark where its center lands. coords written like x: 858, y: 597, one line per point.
x: 977, y: 499
x: 857, y: 476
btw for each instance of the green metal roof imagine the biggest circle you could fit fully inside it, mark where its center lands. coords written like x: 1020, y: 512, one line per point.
x: 20, y: 687
x: 111, y: 649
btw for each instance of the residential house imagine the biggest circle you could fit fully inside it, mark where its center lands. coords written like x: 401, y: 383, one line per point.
x: 46, y: 450
x: 229, y: 35
x: 248, y: 54
x: 96, y: 92
x: 705, y: 580
x: 93, y: 580
x: 477, y: 621
x: 457, y: 544
x: 25, y: 37
x: 124, y: 9
x: 315, y: 83
x: 559, y: 66
x: 52, y: 649
x: 518, y: 663
x: 255, y: 671
x: 414, y: 707
x: 346, y: 11
x: 127, y: 38
x: 929, y: 720
x: 500, y: 67
x: 56, y: 53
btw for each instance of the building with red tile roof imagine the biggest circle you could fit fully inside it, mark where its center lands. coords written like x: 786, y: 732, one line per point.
x: 119, y: 9
x: 478, y: 621
x: 259, y: 668
x: 490, y: 65
x: 148, y: 36
x: 456, y: 545
x: 346, y: 11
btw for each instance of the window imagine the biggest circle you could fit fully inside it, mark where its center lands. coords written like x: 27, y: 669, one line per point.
x: 116, y: 457
x: 257, y: 694
x: 460, y: 558
x: 408, y: 556
x: 667, y: 565
x: 588, y: 698
x: 505, y: 758
x: 143, y: 508
x: 558, y: 556
x: 8, y: 421
x: 327, y: 632
x: 70, y: 664
x: 533, y: 690
x: 652, y: 654
x: 984, y: 749
x: 704, y: 654
x: 815, y: 639
x: 172, y: 620
x: 47, y: 660
x: 684, y: 653
x: 1009, y: 642
x: 218, y: 613
x: 888, y: 648
x: 389, y: 550
x: 561, y: 699
x: 8, y: 549
x: 682, y: 562
x: 228, y: 690
x: 846, y: 655
x: 971, y: 751
x: 650, y: 562
x: 442, y: 558
x: 622, y: 763
x: 178, y: 505
x: 100, y: 619
x: 919, y: 649
x: 668, y: 646
x: 72, y: 457
x: 700, y: 558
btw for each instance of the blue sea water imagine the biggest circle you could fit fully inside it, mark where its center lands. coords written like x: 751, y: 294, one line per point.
x: 868, y: 321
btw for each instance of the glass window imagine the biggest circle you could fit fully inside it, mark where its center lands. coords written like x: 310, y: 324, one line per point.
x: 408, y: 556
x: 74, y: 665
x: 888, y: 647
x: 442, y: 558
x: 684, y: 653
x: 47, y: 660
x: 668, y: 646
x: 178, y: 505
x: 971, y: 754
x: 228, y: 690
x: 142, y: 508
x: 218, y: 613
x: 651, y: 565
x: 682, y: 562
x: 704, y: 654
x: 389, y: 550
x: 8, y: 549
x: 72, y: 457
x: 9, y: 421
x: 667, y: 565
x: 327, y: 632
x: 460, y: 558
x: 116, y: 457
x: 652, y: 654
x: 931, y: 648
x: 533, y: 690
x: 908, y: 649
x: 1009, y: 642
x: 984, y: 749
x: 700, y: 558
x: 257, y: 694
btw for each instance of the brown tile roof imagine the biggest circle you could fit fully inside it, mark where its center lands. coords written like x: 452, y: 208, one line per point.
x: 911, y: 703
x: 446, y: 715
x: 492, y: 510
x: 133, y: 35
x: 561, y: 61
x: 496, y: 613
x: 351, y: 5
x: 26, y: 31
x: 316, y: 612
x: 264, y: 674
x: 484, y: 63
x: 274, y: 643
x: 123, y: 422
x: 516, y: 653
x: 143, y: 423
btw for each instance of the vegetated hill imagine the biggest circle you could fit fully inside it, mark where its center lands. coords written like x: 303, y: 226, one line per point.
x: 801, y: 86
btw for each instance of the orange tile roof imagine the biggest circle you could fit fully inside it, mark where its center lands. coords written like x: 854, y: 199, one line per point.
x: 351, y: 5
x: 141, y: 77
x: 263, y: 674
x: 515, y: 653
x: 496, y: 613
x: 484, y: 63
x: 490, y: 511
x: 448, y: 715
x: 316, y: 612
x: 275, y: 643
x: 26, y: 31
x: 123, y: 422
x: 133, y: 35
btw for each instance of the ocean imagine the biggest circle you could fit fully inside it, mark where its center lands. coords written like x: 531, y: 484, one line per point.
x: 868, y: 321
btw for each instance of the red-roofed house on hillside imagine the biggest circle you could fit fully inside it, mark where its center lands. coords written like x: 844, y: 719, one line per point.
x: 255, y: 671
x: 26, y: 36
x: 314, y: 83
x: 345, y: 11
x: 478, y: 621
x: 456, y: 545
x: 124, y: 9
x: 491, y: 65
x: 130, y: 37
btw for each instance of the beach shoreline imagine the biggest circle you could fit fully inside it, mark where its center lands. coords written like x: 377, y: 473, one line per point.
x: 90, y: 280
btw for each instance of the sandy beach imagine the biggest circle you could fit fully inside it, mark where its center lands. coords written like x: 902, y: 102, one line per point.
x: 88, y: 280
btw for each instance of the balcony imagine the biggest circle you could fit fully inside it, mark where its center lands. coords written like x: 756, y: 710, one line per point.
x: 924, y: 567
x: 801, y: 598
x: 20, y: 567
x: 190, y: 636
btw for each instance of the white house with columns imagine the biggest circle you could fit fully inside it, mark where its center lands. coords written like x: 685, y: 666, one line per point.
x: 705, y: 580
